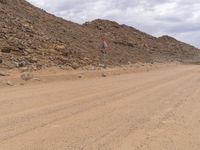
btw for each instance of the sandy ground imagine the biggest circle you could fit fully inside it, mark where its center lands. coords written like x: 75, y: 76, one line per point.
x: 55, y: 74
x: 154, y: 110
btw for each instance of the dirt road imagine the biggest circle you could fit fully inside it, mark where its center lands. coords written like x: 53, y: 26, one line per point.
x: 156, y: 110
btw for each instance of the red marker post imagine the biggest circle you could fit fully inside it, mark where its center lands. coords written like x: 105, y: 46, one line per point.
x: 104, y: 47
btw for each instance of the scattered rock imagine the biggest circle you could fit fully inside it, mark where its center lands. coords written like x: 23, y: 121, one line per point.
x: 3, y: 73
x: 34, y: 67
x: 22, y: 84
x: 103, y: 75
x: 37, y: 79
x: 6, y: 50
x: 22, y: 64
x: 33, y: 60
x: 26, y: 76
x: 60, y: 47
x: 75, y: 65
x: 24, y: 69
x: 16, y: 64
x: 80, y: 76
x: 56, y: 42
x: 9, y: 83
x: 103, y: 66
x: 3, y: 1
x: 86, y: 58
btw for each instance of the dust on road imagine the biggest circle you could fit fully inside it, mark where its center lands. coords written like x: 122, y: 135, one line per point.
x: 140, y: 111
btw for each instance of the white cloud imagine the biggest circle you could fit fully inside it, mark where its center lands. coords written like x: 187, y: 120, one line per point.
x: 179, y: 18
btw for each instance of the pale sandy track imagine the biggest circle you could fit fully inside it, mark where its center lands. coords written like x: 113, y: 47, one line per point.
x: 156, y: 110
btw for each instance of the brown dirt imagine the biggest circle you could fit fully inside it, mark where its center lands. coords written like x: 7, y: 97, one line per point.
x: 14, y: 76
x: 31, y: 37
x: 143, y: 111
x: 142, y: 104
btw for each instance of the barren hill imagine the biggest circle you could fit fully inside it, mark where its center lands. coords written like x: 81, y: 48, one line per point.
x: 29, y: 36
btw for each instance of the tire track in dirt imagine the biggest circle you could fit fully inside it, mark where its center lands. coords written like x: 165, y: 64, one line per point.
x: 62, y: 106
x: 100, y: 108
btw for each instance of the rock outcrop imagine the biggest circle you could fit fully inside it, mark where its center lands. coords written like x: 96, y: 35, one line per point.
x: 31, y: 37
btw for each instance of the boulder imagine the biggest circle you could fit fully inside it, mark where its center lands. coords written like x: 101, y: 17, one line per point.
x: 6, y: 50
x: 103, y: 75
x: 75, y: 65
x: 9, y: 83
x: 26, y: 76
x: 3, y: 73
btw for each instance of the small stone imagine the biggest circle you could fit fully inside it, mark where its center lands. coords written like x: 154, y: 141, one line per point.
x: 75, y: 65
x: 24, y: 69
x: 34, y: 60
x: 101, y: 65
x: 80, y: 76
x: 103, y: 75
x: 10, y: 83
x: 86, y: 58
x: 26, y: 76
x: 37, y: 79
x: 22, y: 64
x: 3, y: 73
x: 6, y: 50
x: 34, y: 67
x: 60, y: 47
x: 16, y: 64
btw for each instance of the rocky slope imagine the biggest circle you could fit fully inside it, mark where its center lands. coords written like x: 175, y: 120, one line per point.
x: 30, y: 36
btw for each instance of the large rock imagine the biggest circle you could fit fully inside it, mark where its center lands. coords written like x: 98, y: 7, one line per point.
x: 26, y: 76
x: 9, y: 83
x: 6, y: 50
x: 103, y: 75
x: 3, y: 1
x: 75, y: 65
x: 3, y: 73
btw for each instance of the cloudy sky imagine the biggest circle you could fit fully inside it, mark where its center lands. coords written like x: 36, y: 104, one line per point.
x: 177, y: 18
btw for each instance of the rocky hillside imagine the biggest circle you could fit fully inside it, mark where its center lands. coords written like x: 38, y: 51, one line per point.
x: 30, y: 36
